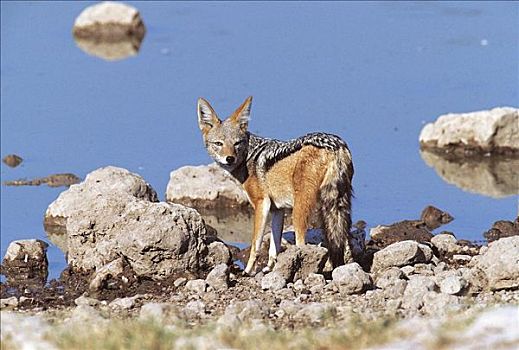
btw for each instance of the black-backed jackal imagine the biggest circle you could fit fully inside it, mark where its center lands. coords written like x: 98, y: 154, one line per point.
x: 311, y: 171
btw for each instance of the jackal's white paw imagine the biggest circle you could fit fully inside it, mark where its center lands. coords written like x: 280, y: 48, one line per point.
x: 266, y: 269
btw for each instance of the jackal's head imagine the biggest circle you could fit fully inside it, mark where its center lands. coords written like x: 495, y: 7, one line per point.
x: 226, y: 141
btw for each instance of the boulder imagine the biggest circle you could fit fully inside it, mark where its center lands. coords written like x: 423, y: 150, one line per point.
x: 499, y: 265
x: 401, y: 254
x: 114, y: 213
x: 205, y: 186
x: 107, y: 181
x: 490, y: 131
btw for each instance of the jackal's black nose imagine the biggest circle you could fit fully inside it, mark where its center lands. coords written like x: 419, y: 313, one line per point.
x: 230, y: 159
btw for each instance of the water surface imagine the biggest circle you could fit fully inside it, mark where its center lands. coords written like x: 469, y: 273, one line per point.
x: 372, y: 73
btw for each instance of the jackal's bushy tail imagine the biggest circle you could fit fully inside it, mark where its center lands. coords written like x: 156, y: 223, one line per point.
x: 336, y: 193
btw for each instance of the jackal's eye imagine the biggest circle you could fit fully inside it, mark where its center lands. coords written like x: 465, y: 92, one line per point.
x: 218, y: 143
x: 238, y: 143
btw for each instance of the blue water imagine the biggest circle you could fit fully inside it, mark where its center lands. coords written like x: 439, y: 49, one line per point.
x: 370, y: 72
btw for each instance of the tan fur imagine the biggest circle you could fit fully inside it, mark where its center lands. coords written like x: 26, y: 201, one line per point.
x: 313, y: 174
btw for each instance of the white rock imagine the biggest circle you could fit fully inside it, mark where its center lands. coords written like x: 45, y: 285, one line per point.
x: 204, y: 186
x: 500, y: 264
x: 194, y: 310
x: 401, y: 254
x: 273, y: 281
x: 351, y: 279
x: 489, y: 129
x: 198, y: 286
x: 106, y: 12
x: 218, y: 278
x: 452, y: 285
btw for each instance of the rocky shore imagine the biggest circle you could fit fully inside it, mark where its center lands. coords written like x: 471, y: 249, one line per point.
x: 159, y: 268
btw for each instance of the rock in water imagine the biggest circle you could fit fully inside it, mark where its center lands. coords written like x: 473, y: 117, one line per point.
x: 25, y: 261
x: 109, y: 30
x: 493, y: 131
x: 114, y: 213
x: 205, y: 186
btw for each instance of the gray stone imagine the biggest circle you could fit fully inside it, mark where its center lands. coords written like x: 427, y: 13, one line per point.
x: 314, y: 313
x: 314, y: 279
x: 452, y: 285
x: 416, y: 288
x: 218, y: 253
x: 401, y: 254
x: 351, y: 279
x: 446, y: 244
x: 179, y: 282
x: 194, y: 310
x: 500, y: 264
x: 218, y: 278
x: 298, y: 262
x: 248, y: 310
x: 273, y: 281
x: 198, y: 286
x: 205, y: 186
x: 111, y: 270
x: 439, y: 304
x: 388, y: 277
x: 124, y: 303
x: 298, y: 285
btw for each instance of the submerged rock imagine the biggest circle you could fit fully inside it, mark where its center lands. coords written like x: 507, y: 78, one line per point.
x: 492, y: 131
x: 55, y: 180
x: 109, y: 30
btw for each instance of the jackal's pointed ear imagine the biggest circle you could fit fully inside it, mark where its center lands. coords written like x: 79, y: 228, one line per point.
x: 207, y: 117
x: 241, y: 115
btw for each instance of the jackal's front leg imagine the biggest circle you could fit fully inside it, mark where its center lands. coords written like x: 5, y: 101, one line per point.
x: 275, y: 238
x: 261, y: 210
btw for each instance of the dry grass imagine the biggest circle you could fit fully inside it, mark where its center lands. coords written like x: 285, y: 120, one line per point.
x: 134, y: 334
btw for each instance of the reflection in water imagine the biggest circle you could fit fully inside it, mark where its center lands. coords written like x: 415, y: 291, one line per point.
x: 110, y: 50
x: 491, y: 176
